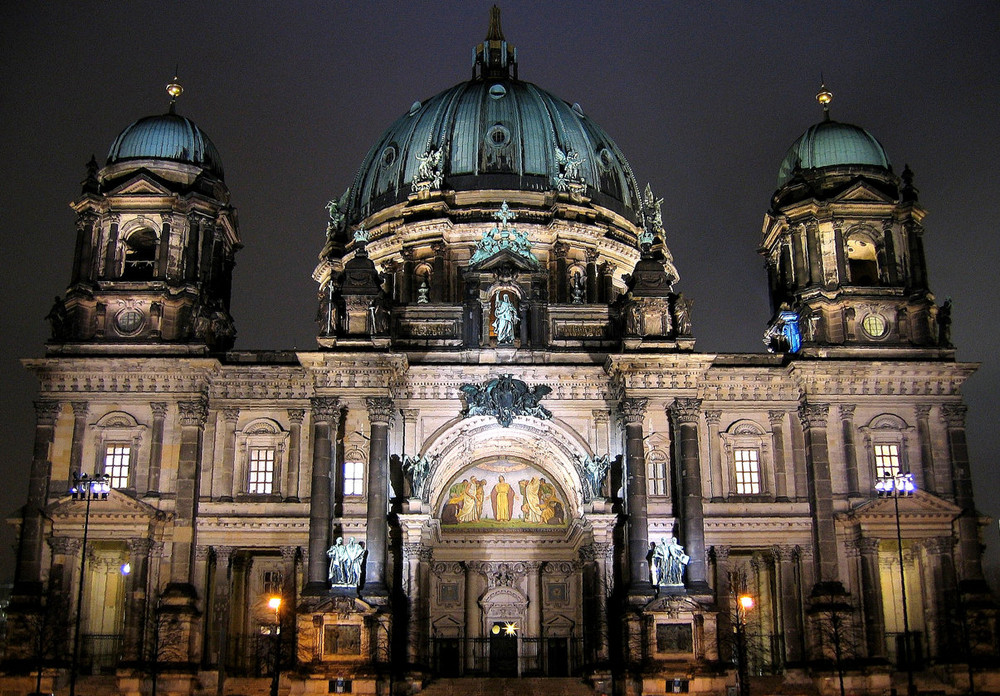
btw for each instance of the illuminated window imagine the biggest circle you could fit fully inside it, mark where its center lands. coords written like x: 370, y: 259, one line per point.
x: 260, y: 471
x: 271, y: 582
x: 117, y: 458
x: 354, y: 478
x: 656, y: 465
x: 886, y: 461
x: 747, y: 471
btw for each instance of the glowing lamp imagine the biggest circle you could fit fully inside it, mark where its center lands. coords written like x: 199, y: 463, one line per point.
x: 746, y: 602
x: 274, y: 603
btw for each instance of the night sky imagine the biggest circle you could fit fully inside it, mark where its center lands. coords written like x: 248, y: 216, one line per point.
x: 703, y: 98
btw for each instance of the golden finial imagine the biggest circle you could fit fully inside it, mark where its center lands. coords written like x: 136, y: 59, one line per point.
x: 824, y: 97
x: 174, y: 89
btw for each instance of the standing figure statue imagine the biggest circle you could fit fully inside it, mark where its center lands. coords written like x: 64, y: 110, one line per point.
x: 669, y: 559
x: 354, y: 554
x: 417, y: 468
x: 595, y: 469
x: 506, y: 320
x: 337, y: 554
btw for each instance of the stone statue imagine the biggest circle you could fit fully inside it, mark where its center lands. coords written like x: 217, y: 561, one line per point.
x: 944, y: 323
x: 682, y: 315
x: 669, y: 559
x: 355, y: 554
x: 595, y: 469
x: 506, y: 320
x: 569, y: 178
x: 58, y: 317
x: 337, y: 554
x: 379, y: 314
x: 417, y: 468
x: 633, y: 319
x: 578, y: 289
x: 429, y: 175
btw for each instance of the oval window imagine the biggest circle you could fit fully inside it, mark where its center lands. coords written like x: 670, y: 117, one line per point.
x: 875, y: 325
x: 497, y: 136
x: 498, y: 91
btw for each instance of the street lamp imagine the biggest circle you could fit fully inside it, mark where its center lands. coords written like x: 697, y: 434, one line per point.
x: 898, y: 486
x: 744, y: 603
x: 275, y: 604
x: 85, y: 488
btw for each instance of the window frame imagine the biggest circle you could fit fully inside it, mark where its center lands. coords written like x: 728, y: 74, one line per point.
x: 887, y: 429
x: 119, y: 429
x: 742, y: 435
x: 260, y: 434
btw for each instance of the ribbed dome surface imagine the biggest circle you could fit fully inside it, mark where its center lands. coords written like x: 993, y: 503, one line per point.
x: 494, y: 133
x: 168, y: 137
x: 830, y: 144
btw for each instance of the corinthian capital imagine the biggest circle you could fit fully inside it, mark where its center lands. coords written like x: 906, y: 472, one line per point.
x: 686, y: 410
x: 46, y: 412
x: 379, y: 409
x: 632, y: 410
x: 326, y: 409
x: 193, y: 412
x: 814, y: 415
x: 953, y: 415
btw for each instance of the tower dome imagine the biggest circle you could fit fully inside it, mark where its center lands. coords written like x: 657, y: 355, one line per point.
x: 832, y: 144
x: 168, y: 137
x: 494, y: 132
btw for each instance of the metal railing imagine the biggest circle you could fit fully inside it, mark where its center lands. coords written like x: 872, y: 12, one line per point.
x: 896, y: 649
x: 100, y: 653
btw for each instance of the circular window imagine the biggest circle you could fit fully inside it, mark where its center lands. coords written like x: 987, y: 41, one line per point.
x: 388, y: 156
x: 875, y: 325
x: 497, y: 136
x: 129, y: 321
x: 605, y: 157
x: 498, y: 91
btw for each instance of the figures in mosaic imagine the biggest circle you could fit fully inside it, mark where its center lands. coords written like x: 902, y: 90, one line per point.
x: 502, y: 497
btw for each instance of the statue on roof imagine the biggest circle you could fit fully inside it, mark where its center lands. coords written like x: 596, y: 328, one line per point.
x: 569, y: 177
x: 429, y: 174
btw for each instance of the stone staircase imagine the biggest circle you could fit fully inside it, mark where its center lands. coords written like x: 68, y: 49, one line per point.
x: 497, y: 687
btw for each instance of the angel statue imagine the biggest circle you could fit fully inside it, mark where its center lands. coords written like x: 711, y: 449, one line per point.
x: 417, y: 468
x: 595, y: 469
x: 569, y: 178
x: 429, y: 175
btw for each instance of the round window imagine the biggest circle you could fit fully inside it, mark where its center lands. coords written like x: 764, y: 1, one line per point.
x: 129, y: 321
x: 498, y: 91
x: 388, y: 156
x: 875, y: 325
x: 605, y: 158
x: 497, y: 136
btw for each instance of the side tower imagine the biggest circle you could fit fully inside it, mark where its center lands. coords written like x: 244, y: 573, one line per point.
x: 156, y: 239
x: 844, y: 251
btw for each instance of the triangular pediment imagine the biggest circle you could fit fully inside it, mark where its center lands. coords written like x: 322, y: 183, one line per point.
x: 141, y: 185
x: 506, y: 257
x: 861, y: 191
x: 118, y: 508
x: 922, y: 514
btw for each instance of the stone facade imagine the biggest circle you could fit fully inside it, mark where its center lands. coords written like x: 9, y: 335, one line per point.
x: 241, y: 475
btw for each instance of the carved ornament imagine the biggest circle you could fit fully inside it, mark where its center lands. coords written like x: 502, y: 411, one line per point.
x: 504, y: 398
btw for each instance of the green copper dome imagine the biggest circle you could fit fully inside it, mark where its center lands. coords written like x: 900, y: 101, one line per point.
x: 168, y: 137
x: 832, y: 144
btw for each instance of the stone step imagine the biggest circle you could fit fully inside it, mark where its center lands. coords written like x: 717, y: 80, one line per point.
x: 487, y: 686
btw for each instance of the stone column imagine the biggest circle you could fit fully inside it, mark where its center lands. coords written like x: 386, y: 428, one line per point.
x: 163, y: 250
x: 685, y: 414
x: 633, y: 411
x: 325, y: 420
x: 594, y: 556
x: 606, y: 282
x: 416, y: 556
x: 380, y: 414
x: 723, y: 589
x: 846, y: 412
x: 791, y: 607
x: 777, y: 421
x: 940, y: 581
x: 136, y: 598
x: 871, y: 598
x: 80, y: 409
x: 111, y: 249
x: 294, y: 465
x: 193, y: 415
x: 560, y: 251
x: 969, y: 559
x: 923, y: 411
x: 156, y: 448
x: 83, y: 265
x: 219, y: 627
x: 534, y: 587
x: 592, y: 285
x: 407, y: 283
x: 814, y: 423
x: 715, y: 452
x: 438, y: 280
x: 28, y: 575
x: 231, y: 416
x: 473, y: 623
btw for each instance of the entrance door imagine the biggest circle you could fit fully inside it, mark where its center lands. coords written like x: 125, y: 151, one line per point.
x: 503, y: 651
x: 449, y: 657
x: 558, y: 657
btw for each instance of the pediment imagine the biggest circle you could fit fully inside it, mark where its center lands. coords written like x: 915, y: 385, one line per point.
x: 117, y: 508
x: 861, y: 191
x: 922, y: 514
x: 141, y: 185
x: 505, y: 258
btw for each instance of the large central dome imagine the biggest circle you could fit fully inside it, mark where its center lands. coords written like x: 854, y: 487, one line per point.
x: 494, y: 132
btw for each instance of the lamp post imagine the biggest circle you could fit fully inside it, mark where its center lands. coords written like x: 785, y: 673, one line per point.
x: 275, y: 603
x: 744, y: 603
x: 901, y: 485
x: 85, y: 488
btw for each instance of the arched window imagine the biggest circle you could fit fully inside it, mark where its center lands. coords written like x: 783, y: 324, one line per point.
x: 885, y: 437
x: 140, y: 255
x: 745, y: 446
x: 261, y: 446
x: 862, y: 259
x: 354, y: 472
x: 118, y: 436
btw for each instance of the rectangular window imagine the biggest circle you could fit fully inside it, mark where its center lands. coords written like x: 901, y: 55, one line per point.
x: 656, y: 464
x: 271, y: 581
x: 260, y: 471
x: 354, y: 478
x: 747, y: 471
x: 116, y: 464
x: 886, y: 461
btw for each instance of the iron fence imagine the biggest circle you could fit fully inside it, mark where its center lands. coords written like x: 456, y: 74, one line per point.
x: 507, y: 657
x: 99, y: 653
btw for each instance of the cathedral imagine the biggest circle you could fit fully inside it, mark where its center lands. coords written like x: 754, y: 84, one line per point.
x: 504, y: 459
